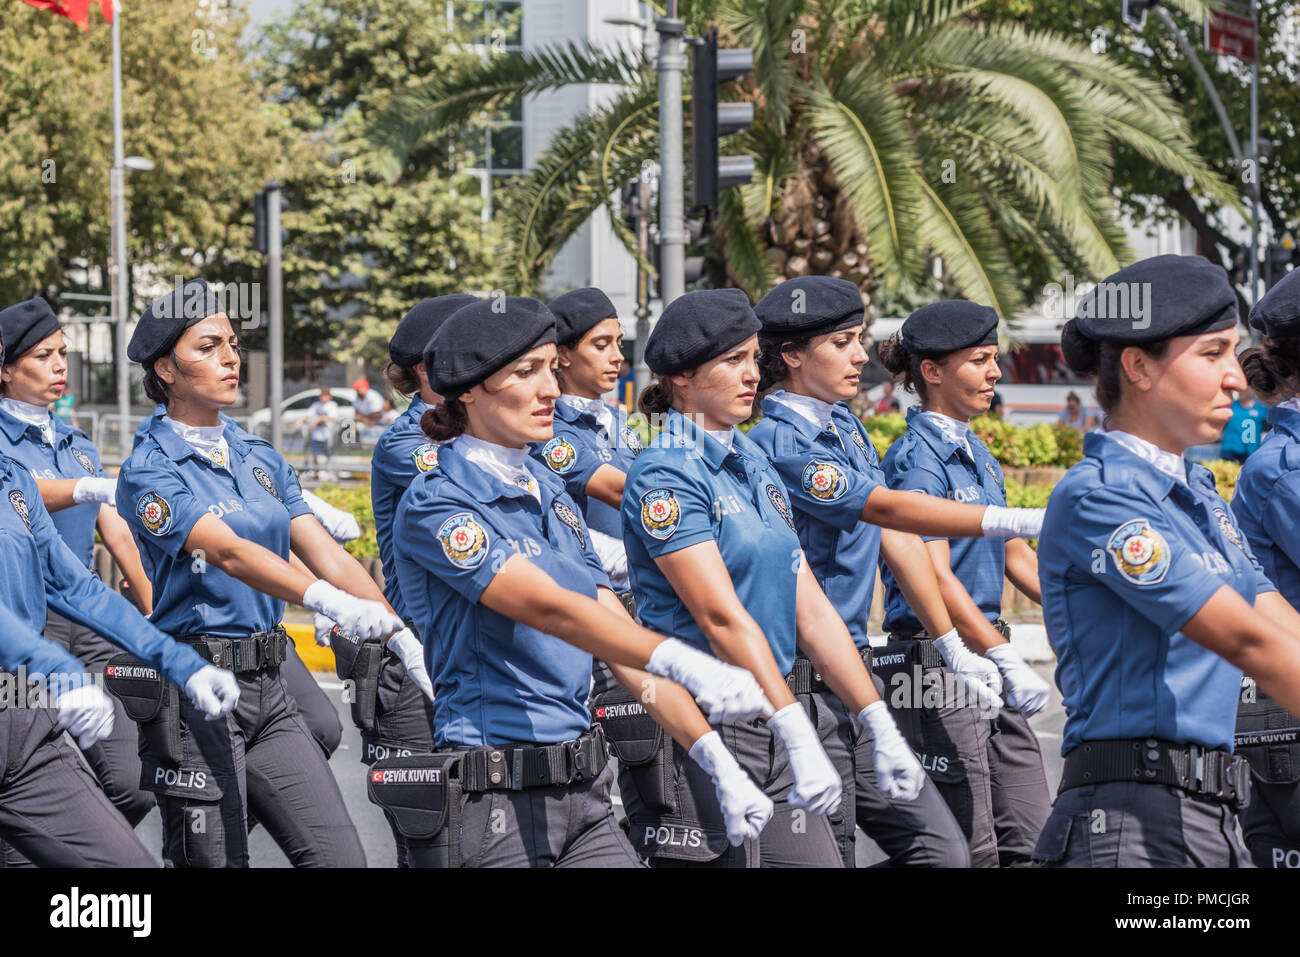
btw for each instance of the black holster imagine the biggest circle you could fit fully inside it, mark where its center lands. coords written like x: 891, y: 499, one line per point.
x: 1267, y: 736
x: 152, y: 702
x: 359, y: 662
x: 641, y: 747
x: 423, y: 796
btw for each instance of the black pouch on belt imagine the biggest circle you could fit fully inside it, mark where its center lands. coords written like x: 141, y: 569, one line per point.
x: 151, y: 701
x: 359, y: 662
x: 422, y: 793
x: 901, y: 665
x: 1268, y: 736
x: 640, y: 745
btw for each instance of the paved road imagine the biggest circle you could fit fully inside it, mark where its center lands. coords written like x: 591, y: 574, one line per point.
x: 377, y: 840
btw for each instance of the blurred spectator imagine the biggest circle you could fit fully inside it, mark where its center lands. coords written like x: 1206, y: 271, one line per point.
x: 369, y: 405
x: 1076, y: 416
x: 389, y: 415
x: 1246, y: 427
x: 995, y: 405
x: 888, y: 402
x: 320, y: 420
x: 65, y: 407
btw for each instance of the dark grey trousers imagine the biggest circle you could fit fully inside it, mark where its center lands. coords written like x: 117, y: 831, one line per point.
x: 52, y: 810
x: 314, y: 705
x: 1132, y: 824
x: 1270, y: 824
x: 261, y: 759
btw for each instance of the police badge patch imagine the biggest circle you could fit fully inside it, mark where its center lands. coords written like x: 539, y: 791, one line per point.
x: 20, y: 506
x: 777, y: 498
x: 1227, y: 528
x: 84, y: 461
x: 463, y: 540
x: 824, y: 481
x: 559, y: 455
x: 570, y: 518
x: 1141, y: 553
x: 426, y: 457
x: 992, y: 472
x: 631, y: 441
x: 660, y: 513
x: 154, y: 512
x: 264, y: 480
x: 860, y: 442
x: 218, y: 456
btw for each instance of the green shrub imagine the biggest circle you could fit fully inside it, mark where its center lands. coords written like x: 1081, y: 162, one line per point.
x: 355, y: 499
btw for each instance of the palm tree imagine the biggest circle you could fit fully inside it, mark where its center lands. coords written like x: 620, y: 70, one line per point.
x: 886, y: 132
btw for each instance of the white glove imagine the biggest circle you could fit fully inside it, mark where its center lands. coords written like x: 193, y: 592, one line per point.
x: 745, y: 808
x: 213, y: 690
x: 981, y: 679
x: 1026, y: 691
x: 408, y: 648
x: 899, y: 776
x: 86, y: 713
x: 999, y: 522
x: 726, y: 694
x: 92, y: 489
x: 341, y: 525
x: 367, y: 620
x: 324, y: 629
x: 613, y: 558
x: 817, y: 785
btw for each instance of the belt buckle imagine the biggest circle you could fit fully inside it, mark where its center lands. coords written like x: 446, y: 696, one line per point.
x: 1196, y: 767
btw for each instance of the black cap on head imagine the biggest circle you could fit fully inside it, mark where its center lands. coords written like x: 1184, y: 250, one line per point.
x: 577, y: 311
x: 697, y: 327
x: 811, y: 306
x: 417, y: 327
x: 24, y: 325
x: 1277, y: 315
x: 169, y: 316
x: 481, y: 337
x: 1155, y: 299
x: 942, y: 327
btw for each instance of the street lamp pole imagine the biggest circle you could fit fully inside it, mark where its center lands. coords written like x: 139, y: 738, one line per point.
x: 117, y: 271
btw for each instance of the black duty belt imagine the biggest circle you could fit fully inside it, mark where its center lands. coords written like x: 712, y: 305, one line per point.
x: 928, y: 654
x: 514, y: 769
x: 805, y: 679
x: 1197, y: 770
x: 262, y: 649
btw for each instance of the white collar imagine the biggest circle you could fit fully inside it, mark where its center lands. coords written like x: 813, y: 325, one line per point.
x: 954, y: 430
x: 811, y: 408
x: 504, y: 463
x: 597, y: 407
x: 208, y: 440
x: 1292, y: 403
x: 726, y: 438
x: 37, y: 415
x: 1170, y: 463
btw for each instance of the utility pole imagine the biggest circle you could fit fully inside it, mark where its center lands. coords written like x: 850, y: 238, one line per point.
x: 117, y: 272
x: 672, y: 225
x: 1254, y: 159
x: 275, y: 328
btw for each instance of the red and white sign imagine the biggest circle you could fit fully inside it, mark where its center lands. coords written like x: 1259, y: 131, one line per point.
x: 1230, y: 34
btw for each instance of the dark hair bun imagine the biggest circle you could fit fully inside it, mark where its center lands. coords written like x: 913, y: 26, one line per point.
x: 1082, y: 354
x: 893, y: 355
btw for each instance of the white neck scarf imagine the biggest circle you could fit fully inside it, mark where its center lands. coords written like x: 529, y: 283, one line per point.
x: 500, y: 462
x: 954, y: 430
x: 208, y: 440
x: 603, y: 413
x: 1171, y: 463
x: 725, y: 438
x: 813, y: 409
x: 37, y: 415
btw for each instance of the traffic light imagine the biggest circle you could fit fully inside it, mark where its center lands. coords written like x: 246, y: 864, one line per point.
x: 711, y: 120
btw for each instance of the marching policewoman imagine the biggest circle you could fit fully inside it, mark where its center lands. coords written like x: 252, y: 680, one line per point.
x: 496, y: 568
x: 402, y: 722
x: 1153, y: 601
x: 812, y: 349
x: 78, y: 496
x: 714, y: 557
x: 988, y: 765
x: 1266, y: 506
x: 214, y: 514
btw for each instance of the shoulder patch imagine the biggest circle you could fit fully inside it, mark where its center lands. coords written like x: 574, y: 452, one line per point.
x: 824, y: 481
x: 463, y: 540
x: 1141, y: 553
x: 660, y: 513
x: 1226, y: 526
x: 559, y: 455
x: 20, y: 506
x: 426, y: 457
x: 631, y: 441
x: 264, y: 480
x: 777, y: 498
x: 861, y: 443
x: 570, y: 518
x: 84, y: 461
x: 992, y: 471
x: 154, y: 513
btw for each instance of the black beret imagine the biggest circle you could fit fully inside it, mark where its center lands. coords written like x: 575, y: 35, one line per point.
x: 811, y: 306
x: 942, y: 327
x: 483, y: 336
x: 1277, y: 315
x: 697, y: 327
x: 1154, y: 299
x: 169, y: 316
x: 417, y: 327
x: 24, y: 325
x: 577, y: 311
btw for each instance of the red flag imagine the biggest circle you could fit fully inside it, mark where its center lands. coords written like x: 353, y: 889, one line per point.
x: 78, y: 11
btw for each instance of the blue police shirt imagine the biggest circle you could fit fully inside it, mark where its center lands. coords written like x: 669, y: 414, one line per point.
x: 496, y: 681
x: 1267, y: 503
x: 828, y: 474
x: 581, y: 446
x: 923, y: 460
x: 1127, y: 556
x: 41, y: 572
x: 402, y: 453
x: 73, y: 456
x: 165, y: 487
x: 687, y: 488
x: 20, y: 647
